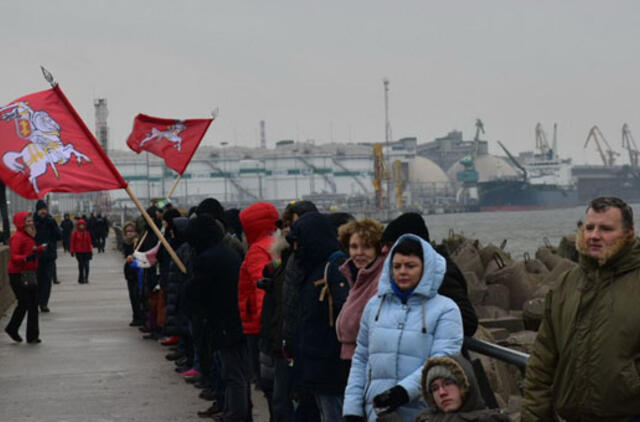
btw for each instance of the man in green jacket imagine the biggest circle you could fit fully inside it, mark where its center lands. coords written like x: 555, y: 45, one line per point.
x: 585, y: 362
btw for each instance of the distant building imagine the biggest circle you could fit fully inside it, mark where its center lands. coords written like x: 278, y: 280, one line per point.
x: 450, y: 149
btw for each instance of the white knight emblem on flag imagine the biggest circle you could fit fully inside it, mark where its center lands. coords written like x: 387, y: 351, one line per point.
x: 45, y: 146
x: 171, y: 135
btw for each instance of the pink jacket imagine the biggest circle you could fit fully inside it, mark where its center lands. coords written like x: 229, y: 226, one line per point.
x: 363, y: 289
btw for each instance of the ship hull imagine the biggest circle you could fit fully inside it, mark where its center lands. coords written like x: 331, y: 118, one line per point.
x: 520, y: 196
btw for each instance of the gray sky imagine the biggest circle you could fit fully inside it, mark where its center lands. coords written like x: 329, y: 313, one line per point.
x: 313, y: 70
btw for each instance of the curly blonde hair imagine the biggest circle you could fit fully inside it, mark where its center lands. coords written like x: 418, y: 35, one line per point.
x: 369, y: 230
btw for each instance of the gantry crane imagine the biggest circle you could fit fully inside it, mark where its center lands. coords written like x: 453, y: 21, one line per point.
x: 630, y: 145
x: 609, y: 158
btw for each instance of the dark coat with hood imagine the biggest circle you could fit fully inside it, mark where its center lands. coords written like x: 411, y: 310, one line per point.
x: 176, y: 321
x: 47, y: 231
x: 213, y: 289
x: 473, y: 408
x: 323, y: 292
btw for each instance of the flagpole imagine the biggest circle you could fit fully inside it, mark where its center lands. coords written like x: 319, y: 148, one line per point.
x: 155, y: 229
x: 175, y: 185
x: 144, y: 236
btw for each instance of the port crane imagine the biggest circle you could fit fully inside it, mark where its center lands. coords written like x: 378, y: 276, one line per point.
x: 630, y: 145
x: 609, y: 158
x: 542, y: 144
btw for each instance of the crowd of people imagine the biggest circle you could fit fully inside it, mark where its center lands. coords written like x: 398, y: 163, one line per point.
x: 338, y: 319
x: 330, y: 317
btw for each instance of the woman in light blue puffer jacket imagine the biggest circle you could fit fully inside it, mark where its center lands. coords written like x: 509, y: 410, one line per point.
x: 404, y: 325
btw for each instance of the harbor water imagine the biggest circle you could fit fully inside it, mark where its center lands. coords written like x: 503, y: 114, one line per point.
x: 523, y: 230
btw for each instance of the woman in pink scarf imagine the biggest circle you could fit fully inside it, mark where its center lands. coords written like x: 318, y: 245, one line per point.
x: 362, y: 241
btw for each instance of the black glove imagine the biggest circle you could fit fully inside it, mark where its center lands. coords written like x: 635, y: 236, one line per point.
x: 31, y: 257
x: 352, y: 418
x: 390, y: 400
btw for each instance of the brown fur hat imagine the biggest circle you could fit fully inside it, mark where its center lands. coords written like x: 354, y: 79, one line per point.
x: 450, y: 366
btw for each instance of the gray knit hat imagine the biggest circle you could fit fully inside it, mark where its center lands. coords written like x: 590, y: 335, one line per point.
x: 439, y: 371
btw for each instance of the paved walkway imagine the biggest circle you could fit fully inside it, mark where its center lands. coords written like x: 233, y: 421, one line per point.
x: 91, y: 366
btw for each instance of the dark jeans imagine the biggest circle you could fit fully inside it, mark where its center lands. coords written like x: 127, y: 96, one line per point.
x: 44, y: 274
x: 83, y: 259
x: 134, y: 295
x: 235, y: 375
x: 254, y: 356
x: 27, y: 304
x: 281, y: 403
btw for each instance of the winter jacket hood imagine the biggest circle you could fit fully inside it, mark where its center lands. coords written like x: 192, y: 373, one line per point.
x: 434, y: 267
x: 203, y: 231
x: 180, y: 229
x: 21, y: 246
x: 19, y: 218
x: 316, y: 239
x: 464, y: 377
x: 82, y: 225
x: 259, y: 221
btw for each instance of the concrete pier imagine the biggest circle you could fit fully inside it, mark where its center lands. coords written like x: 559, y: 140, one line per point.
x: 91, y: 366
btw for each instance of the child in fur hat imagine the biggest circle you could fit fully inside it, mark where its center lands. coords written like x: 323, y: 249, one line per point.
x: 451, y: 389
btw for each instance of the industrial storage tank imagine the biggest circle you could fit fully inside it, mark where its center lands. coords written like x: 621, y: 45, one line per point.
x: 423, y: 170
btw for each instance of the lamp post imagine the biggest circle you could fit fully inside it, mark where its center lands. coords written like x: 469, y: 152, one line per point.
x: 224, y: 168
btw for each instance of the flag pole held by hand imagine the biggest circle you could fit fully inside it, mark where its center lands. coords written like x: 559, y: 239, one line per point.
x: 157, y: 232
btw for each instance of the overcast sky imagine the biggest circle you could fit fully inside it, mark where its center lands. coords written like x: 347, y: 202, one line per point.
x: 313, y: 70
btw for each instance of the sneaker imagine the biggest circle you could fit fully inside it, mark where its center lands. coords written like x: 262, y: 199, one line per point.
x: 34, y: 341
x: 170, y: 340
x: 190, y: 373
x: 44, y: 309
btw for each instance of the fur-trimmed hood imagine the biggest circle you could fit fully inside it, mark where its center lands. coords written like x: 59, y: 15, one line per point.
x: 612, y: 255
x: 463, y: 372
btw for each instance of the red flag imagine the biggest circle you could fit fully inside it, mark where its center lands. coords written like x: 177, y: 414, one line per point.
x: 46, y: 147
x: 173, y: 140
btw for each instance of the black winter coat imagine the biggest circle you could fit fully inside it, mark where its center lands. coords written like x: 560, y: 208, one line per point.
x: 318, y: 366
x: 213, y: 289
x: 47, y: 231
x: 271, y: 317
x: 454, y: 286
x: 176, y: 322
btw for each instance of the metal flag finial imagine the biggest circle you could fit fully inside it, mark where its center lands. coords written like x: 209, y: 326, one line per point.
x: 215, y: 112
x: 48, y: 76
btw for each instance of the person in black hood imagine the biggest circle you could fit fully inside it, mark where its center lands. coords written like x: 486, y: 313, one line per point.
x: 47, y: 233
x: 454, y: 285
x: 67, y: 227
x: 318, y: 368
x: 214, y: 290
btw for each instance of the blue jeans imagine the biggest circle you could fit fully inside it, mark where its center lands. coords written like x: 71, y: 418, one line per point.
x: 330, y: 406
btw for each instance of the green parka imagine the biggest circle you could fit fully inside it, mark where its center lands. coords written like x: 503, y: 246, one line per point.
x: 585, y: 362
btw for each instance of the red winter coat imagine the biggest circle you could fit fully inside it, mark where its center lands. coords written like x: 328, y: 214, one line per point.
x: 259, y: 223
x: 81, y: 239
x: 21, y: 245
